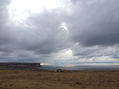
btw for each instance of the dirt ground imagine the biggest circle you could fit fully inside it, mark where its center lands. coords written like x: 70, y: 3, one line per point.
x: 36, y: 79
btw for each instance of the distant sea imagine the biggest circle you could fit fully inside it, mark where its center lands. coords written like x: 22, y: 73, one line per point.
x: 47, y: 67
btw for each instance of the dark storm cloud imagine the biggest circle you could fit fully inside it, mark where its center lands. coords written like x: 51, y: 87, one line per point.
x: 43, y: 34
x: 6, y: 36
x: 95, y: 22
x: 4, y: 30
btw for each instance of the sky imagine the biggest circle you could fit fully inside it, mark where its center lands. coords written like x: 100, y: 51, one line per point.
x: 60, y: 32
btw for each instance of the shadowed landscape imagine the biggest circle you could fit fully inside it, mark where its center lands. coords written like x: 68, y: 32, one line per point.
x: 44, y: 79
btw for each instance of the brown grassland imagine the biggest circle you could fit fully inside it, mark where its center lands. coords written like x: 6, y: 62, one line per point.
x: 37, y: 79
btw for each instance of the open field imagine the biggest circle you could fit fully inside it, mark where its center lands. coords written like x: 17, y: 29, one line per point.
x: 36, y: 79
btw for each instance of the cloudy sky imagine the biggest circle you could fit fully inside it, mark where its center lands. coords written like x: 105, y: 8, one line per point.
x: 60, y: 32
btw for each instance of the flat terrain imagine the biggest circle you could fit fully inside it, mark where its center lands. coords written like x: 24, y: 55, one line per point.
x: 36, y: 79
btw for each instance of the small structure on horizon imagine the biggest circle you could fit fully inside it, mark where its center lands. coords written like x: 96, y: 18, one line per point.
x: 59, y: 70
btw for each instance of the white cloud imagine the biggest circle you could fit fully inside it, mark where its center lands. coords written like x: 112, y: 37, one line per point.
x: 65, y: 54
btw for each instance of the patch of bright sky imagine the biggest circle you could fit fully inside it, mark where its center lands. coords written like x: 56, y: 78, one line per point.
x: 64, y: 27
x: 65, y: 54
x: 43, y: 63
x: 19, y: 10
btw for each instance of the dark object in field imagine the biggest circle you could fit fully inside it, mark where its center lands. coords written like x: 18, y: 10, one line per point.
x: 59, y: 70
x: 78, y: 83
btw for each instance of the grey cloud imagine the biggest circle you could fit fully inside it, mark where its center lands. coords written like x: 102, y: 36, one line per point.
x: 43, y: 34
x: 96, y: 53
x: 95, y: 23
x: 39, y: 34
x: 4, y: 30
x: 92, y: 24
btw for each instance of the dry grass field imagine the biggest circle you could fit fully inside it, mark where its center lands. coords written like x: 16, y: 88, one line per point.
x: 36, y: 79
